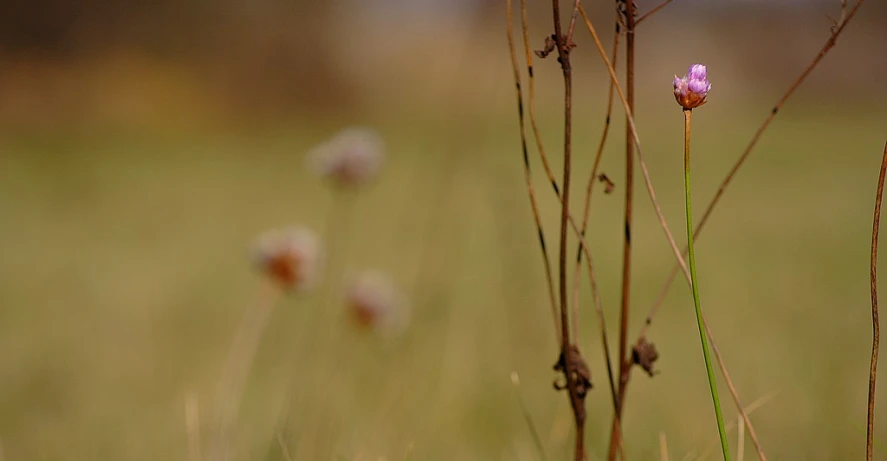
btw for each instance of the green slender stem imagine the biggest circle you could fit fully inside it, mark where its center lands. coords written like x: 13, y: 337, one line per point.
x: 692, y: 254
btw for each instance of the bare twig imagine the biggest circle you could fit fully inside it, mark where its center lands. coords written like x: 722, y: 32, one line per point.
x: 527, y: 173
x: 628, y: 100
x: 876, y: 327
x: 563, y: 52
x: 531, y: 101
x: 652, y: 12
x: 836, y: 31
x: 573, y: 18
x: 570, y: 363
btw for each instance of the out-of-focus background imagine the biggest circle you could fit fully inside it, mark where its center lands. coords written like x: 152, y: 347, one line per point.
x: 144, y: 145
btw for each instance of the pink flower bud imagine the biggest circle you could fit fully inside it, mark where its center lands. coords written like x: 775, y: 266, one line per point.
x: 690, y: 90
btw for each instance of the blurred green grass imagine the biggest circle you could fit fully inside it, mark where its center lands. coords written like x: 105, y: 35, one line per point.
x: 125, y: 269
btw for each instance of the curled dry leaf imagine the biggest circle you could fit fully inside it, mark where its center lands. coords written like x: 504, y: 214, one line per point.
x: 644, y: 354
x: 609, y: 186
x: 550, y: 44
x: 580, y: 372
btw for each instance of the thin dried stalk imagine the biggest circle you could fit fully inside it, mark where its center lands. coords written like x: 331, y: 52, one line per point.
x: 528, y: 177
x: 237, y: 367
x: 573, y: 367
x: 531, y: 104
x: 531, y: 100
x: 584, y: 249
x: 528, y: 418
x: 876, y: 326
x: 748, y: 409
x: 589, y: 188
x: 652, y: 12
x: 624, y: 308
x: 734, y: 393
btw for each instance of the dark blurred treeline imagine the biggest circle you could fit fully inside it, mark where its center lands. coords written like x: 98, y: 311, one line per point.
x: 273, y: 52
x: 259, y: 48
x: 284, y: 56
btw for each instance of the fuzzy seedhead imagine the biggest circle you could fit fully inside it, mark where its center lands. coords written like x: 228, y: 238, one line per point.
x: 574, y: 368
x: 349, y: 159
x: 292, y: 257
x: 644, y: 354
x: 375, y: 302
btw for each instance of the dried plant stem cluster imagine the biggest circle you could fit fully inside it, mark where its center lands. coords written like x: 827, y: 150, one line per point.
x: 577, y: 379
x: 690, y: 93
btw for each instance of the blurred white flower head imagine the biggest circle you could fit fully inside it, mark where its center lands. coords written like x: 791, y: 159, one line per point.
x: 350, y: 158
x: 375, y: 302
x: 290, y: 256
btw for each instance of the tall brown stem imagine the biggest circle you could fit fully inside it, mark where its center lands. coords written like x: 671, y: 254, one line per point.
x: 624, y: 359
x: 876, y: 327
x: 570, y: 360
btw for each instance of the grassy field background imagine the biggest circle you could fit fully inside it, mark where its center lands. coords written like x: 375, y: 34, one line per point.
x: 125, y: 267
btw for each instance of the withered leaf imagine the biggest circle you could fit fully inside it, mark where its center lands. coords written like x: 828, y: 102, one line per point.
x: 549, y: 46
x: 644, y: 354
x: 609, y: 186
